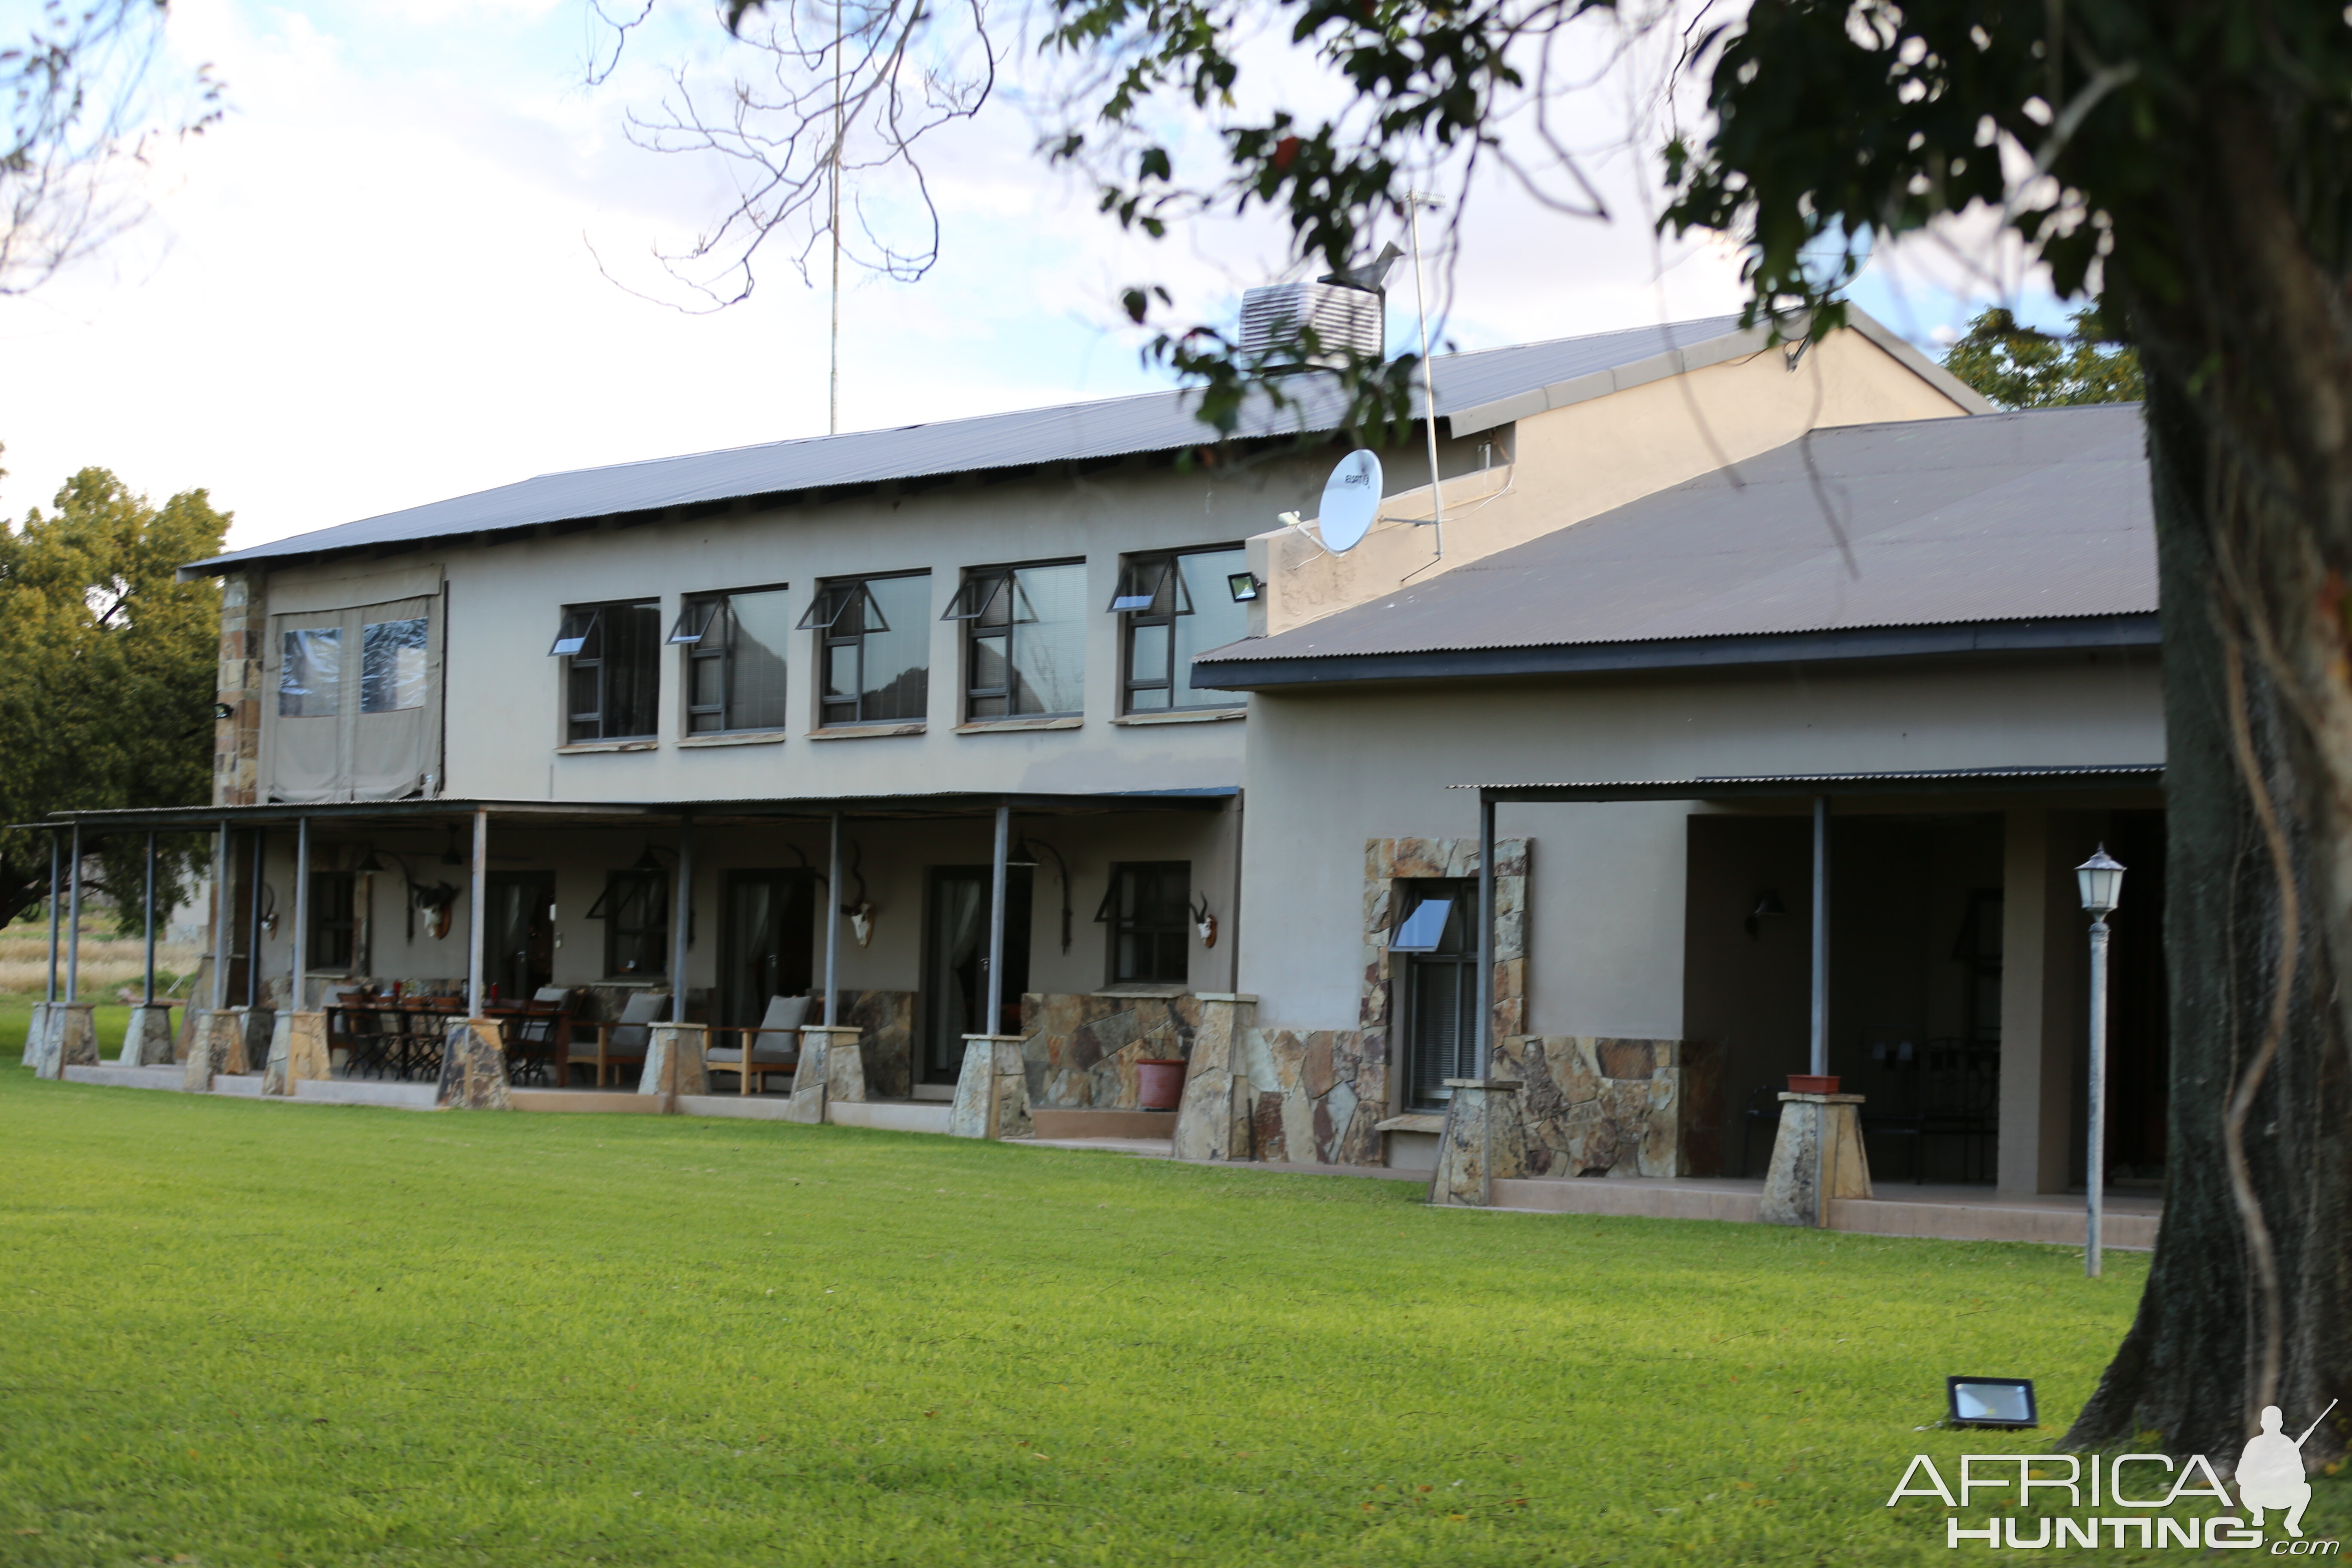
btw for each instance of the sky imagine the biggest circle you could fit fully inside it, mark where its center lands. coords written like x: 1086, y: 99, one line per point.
x: 382, y: 278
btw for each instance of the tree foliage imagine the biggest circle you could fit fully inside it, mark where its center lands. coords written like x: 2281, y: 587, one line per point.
x: 108, y: 669
x: 2018, y: 366
x: 86, y: 103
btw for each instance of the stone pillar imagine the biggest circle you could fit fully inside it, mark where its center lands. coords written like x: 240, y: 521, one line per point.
x: 1817, y: 1157
x: 34, y: 1031
x: 991, y: 1098
x: 1482, y: 1140
x: 2041, y: 928
x: 68, y: 1038
x: 260, y: 1025
x: 675, y: 1060
x: 1213, y: 1117
x: 148, y: 1043
x: 297, y: 1050
x: 217, y: 1040
x: 474, y: 1066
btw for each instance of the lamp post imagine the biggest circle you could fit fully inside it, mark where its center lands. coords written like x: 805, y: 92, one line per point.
x: 2101, y: 878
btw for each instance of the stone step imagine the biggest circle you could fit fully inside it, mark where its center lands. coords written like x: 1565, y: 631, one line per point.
x: 890, y: 1115
x: 1092, y: 1123
x: 119, y: 1077
x: 2057, y: 1221
x: 366, y: 1091
x: 245, y: 1086
x: 625, y: 1101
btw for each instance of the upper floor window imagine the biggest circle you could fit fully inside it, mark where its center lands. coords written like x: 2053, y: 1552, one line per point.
x: 1150, y: 911
x: 734, y: 660
x: 1171, y: 608
x: 873, y: 635
x: 391, y: 665
x: 310, y: 673
x: 612, y: 669
x: 1024, y: 640
x: 357, y: 715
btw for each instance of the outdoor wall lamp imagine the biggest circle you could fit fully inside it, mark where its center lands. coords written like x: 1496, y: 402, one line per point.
x: 223, y: 710
x: 2101, y: 878
x: 1991, y: 1402
x: 1245, y: 587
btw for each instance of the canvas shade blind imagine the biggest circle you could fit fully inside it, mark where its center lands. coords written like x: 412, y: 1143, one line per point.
x: 351, y: 702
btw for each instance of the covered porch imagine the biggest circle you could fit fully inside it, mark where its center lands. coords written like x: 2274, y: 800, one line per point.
x: 597, y: 951
x: 1915, y: 936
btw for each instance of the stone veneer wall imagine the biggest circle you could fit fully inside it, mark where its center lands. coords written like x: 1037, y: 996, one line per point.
x: 1080, y: 1049
x: 1595, y: 1106
x: 236, y: 740
x: 1318, y: 1096
x: 886, y: 1022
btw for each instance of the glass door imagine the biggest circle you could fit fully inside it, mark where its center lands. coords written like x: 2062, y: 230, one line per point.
x: 519, y: 943
x: 767, y: 942
x: 955, y: 969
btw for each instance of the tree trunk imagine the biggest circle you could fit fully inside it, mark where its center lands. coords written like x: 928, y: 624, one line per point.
x: 2243, y: 325
x: 2247, y: 1301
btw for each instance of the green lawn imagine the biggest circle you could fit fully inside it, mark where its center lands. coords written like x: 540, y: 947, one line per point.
x: 17, y: 1013
x: 244, y: 1333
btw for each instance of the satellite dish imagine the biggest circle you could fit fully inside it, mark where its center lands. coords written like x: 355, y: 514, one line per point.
x: 1351, y: 499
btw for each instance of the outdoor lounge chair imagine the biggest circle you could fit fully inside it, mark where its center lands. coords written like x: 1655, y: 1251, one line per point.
x: 621, y: 1043
x: 537, y: 1039
x: 775, y: 1043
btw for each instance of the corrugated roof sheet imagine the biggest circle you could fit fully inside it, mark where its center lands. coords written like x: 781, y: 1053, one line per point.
x: 1993, y: 518
x: 1077, y: 432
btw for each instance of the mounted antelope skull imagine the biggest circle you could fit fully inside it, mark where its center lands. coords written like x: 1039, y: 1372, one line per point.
x: 1205, y: 922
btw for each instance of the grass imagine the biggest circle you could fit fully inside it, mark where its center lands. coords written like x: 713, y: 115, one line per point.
x: 108, y: 964
x: 16, y: 1014
x: 252, y: 1333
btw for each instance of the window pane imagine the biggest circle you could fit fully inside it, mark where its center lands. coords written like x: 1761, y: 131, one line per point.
x: 311, y: 674
x: 710, y: 685
x: 1049, y: 640
x: 988, y: 664
x: 631, y: 637
x: 1147, y: 656
x: 391, y: 666
x: 898, y: 661
x: 1215, y: 621
x: 756, y: 653
x: 841, y: 672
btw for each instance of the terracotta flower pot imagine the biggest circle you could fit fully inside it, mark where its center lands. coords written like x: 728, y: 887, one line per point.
x: 1813, y: 1083
x: 1159, y: 1084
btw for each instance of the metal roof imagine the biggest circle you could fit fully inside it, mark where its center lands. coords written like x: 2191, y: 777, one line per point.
x: 1940, y: 780
x: 1475, y: 390
x: 2025, y: 519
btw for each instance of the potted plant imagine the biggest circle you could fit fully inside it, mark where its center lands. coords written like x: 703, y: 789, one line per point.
x: 1159, y: 1082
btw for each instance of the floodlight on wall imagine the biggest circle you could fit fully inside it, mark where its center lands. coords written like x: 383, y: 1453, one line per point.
x: 1245, y: 587
x: 1991, y: 1402
x: 223, y: 711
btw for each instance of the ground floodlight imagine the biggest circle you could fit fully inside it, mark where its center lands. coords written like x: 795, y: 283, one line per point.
x: 1991, y: 1401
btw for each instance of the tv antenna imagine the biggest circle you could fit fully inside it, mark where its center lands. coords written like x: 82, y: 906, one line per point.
x: 1414, y: 202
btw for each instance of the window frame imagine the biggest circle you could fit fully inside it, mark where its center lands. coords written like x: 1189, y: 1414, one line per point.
x: 701, y: 647
x: 971, y: 605
x: 334, y: 911
x: 600, y: 663
x: 1130, y: 569
x: 651, y: 933
x: 828, y: 637
x: 1110, y: 913
x: 1410, y: 970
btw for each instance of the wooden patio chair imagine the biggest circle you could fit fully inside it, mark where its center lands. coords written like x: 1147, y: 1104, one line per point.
x: 621, y: 1042
x: 538, y: 1038
x: 774, y: 1043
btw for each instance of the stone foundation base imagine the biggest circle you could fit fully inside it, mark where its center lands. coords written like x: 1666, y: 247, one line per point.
x: 676, y: 1062
x: 832, y: 1069
x: 1483, y: 1140
x: 215, y: 1041
x: 148, y: 1043
x: 33, y: 1033
x: 991, y: 1098
x: 297, y: 1050
x: 67, y: 1038
x: 474, y: 1067
x: 1817, y: 1157
x: 1213, y: 1120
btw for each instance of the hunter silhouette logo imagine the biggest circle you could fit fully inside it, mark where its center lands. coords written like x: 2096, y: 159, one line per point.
x: 2143, y: 1489
x: 2270, y: 1472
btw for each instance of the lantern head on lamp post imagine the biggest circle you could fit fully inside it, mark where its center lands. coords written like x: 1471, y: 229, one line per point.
x: 2102, y: 881
x: 2101, y: 878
